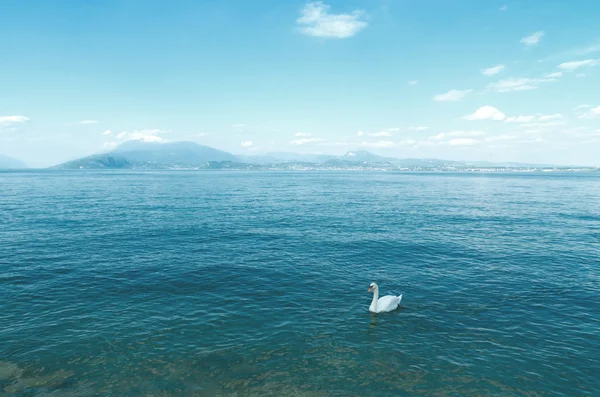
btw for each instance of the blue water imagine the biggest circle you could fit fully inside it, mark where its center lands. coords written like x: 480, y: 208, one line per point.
x: 255, y: 284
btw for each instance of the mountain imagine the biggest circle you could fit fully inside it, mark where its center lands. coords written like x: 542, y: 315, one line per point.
x: 152, y: 155
x: 97, y: 161
x: 190, y: 155
x: 184, y: 153
x: 10, y: 163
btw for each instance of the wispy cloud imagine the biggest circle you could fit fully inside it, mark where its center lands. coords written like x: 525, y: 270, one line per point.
x: 13, y: 119
x: 534, y: 118
x: 574, y: 65
x: 533, y: 39
x: 554, y: 75
x: 418, y: 128
x: 89, y: 122
x: 493, y: 70
x: 517, y: 84
x: 241, y: 125
x: 413, y: 82
x: 486, y: 113
x: 503, y: 8
x: 317, y: 21
x: 107, y: 132
x: 452, y: 95
x: 380, y: 134
x: 247, y: 144
x: 593, y: 113
x: 305, y: 141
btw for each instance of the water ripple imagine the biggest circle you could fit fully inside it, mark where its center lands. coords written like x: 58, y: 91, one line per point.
x: 226, y: 284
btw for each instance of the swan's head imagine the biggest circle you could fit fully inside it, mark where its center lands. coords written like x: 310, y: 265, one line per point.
x: 373, y: 287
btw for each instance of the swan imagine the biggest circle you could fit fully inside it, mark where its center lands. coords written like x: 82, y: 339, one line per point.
x: 385, y: 303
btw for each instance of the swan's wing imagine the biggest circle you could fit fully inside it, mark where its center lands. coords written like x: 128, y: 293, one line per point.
x: 388, y: 303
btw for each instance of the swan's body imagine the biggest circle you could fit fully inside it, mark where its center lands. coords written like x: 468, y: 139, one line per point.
x: 385, y: 303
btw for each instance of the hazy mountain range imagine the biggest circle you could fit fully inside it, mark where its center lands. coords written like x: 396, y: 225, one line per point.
x: 190, y: 155
x: 7, y: 162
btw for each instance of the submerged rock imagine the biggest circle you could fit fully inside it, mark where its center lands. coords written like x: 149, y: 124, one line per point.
x: 9, y: 371
x: 51, y: 381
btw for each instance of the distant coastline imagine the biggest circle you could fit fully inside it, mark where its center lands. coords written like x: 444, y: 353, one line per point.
x: 140, y: 155
x: 192, y: 156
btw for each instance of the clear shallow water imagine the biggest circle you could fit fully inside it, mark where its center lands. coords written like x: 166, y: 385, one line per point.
x: 241, y: 284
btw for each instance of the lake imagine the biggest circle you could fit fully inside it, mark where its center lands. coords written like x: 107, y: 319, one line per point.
x: 125, y: 283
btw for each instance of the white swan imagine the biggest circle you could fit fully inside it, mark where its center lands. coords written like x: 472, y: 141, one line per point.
x: 385, y: 303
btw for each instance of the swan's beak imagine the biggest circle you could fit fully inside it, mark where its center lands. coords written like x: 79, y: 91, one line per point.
x: 370, y: 289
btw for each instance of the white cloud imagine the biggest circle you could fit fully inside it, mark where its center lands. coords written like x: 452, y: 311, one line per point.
x: 555, y: 116
x: 539, y: 119
x: 452, y: 95
x: 463, y: 134
x: 394, y: 129
x: 379, y: 134
x: 413, y: 82
x: 419, y: 128
x: 520, y: 119
x: 486, y: 113
x: 504, y: 8
x: 578, y: 64
x: 378, y: 144
x: 533, y: 39
x: 247, y: 144
x: 517, y: 84
x: 89, y: 122
x: 316, y: 21
x: 305, y: 141
x: 593, y: 113
x: 110, y: 145
x: 554, y: 75
x: 146, y: 135
x: 13, y: 119
x: 462, y: 142
x: 107, y: 132
x: 493, y: 70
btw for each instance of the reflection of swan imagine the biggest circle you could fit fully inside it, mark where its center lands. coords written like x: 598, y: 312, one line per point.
x: 385, y: 303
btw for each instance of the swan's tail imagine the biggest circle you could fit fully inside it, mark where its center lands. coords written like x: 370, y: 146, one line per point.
x: 399, y: 298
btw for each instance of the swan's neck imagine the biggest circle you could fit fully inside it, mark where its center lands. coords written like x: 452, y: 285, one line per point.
x: 373, y: 306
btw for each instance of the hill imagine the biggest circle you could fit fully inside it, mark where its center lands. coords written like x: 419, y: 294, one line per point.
x: 152, y: 155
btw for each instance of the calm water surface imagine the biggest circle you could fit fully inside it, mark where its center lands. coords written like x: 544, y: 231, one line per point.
x: 255, y: 284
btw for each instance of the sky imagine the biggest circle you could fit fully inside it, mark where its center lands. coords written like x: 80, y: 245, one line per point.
x: 459, y: 80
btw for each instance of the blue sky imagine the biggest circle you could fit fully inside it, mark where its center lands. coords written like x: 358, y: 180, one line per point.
x: 464, y: 80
